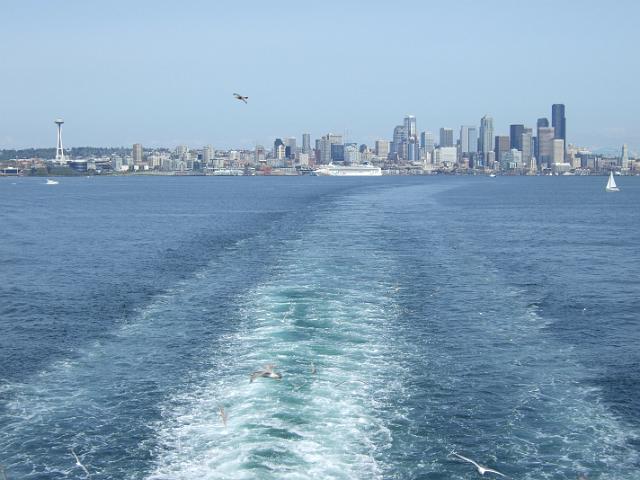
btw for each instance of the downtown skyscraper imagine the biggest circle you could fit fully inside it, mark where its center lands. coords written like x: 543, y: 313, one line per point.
x: 446, y: 137
x: 559, y: 122
x: 486, y: 135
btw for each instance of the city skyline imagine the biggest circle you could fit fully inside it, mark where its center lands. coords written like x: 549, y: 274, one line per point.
x: 169, y: 80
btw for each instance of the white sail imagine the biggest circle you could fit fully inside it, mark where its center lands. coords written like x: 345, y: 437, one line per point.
x: 611, y: 184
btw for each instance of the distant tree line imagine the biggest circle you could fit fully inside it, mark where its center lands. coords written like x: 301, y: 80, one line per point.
x: 75, y: 152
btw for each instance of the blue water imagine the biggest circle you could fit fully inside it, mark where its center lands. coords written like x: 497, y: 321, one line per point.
x: 494, y: 317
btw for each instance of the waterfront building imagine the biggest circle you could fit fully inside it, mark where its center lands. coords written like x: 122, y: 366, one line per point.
x: 511, y: 160
x: 515, y: 135
x: 446, y: 137
x: 260, y: 154
x: 351, y: 155
x: 490, y: 159
x: 446, y: 155
x: 502, y: 146
x: 303, y: 159
x: 137, y: 154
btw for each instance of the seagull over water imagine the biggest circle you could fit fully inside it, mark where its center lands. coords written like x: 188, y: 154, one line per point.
x: 223, y: 416
x: 79, y: 464
x: 481, y: 468
x: 240, y: 97
x: 266, y: 371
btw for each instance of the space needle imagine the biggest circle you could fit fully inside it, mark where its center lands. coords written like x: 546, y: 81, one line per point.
x: 59, y: 150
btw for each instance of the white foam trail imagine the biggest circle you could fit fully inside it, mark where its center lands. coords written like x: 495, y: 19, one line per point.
x: 315, y: 308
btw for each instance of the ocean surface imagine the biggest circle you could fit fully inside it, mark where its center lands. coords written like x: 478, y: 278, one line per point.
x: 495, y: 317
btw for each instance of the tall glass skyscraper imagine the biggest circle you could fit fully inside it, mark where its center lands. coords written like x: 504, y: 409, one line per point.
x: 516, y: 132
x: 486, y: 135
x: 306, y: 143
x: 559, y: 122
x: 468, y: 139
x: 446, y: 137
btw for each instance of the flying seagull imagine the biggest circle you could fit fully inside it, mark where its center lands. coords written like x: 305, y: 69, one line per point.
x: 266, y: 371
x: 351, y: 381
x: 79, y: 464
x: 223, y: 416
x: 240, y: 97
x: 481, y: 468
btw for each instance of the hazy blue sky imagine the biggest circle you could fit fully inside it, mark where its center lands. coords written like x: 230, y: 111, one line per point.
x: 163, y: 73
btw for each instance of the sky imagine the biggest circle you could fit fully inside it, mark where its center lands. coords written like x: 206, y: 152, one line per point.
x: 163, y: 73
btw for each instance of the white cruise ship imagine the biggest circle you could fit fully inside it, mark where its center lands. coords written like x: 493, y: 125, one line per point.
x: 365, y: 170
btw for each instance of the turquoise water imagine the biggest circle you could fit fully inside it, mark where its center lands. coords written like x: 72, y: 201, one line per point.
x: 493, y: 317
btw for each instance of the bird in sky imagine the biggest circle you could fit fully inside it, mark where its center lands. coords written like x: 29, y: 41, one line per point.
x: 266, y: 371
x: 237, y: 96
x: 481, y: 468
x: 79, y: 464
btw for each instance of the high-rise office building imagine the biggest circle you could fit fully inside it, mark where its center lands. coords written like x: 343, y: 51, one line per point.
x: 511, y: 160
x: 290, y: 147
x: 306, y: 143
x: 446, y: 137
x: 558, y: 121
x: 545, y: 146
x: 382, y: 148
x: 541, y: 123
x: 527, y: 148
x: 501, y: 147
x: 398, y: 145
x: 410, y: 126
x: 337, y: 152
x: 277, y: 143
x: 515, y: 135
x: 486, y: 135
x: 624, y: 158
x: 411, y: 150
x: 137, y: 154
x: 351, y: 154
x: 326, y: 148
x: 207, y: 155
x: 468, y: 139
x: 427, y: 141
x: 558, y: 150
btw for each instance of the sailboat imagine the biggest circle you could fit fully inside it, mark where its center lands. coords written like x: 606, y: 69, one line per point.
x: 611, y: 184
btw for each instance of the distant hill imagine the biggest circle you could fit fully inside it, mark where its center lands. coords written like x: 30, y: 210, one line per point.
x: 50, y: 153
